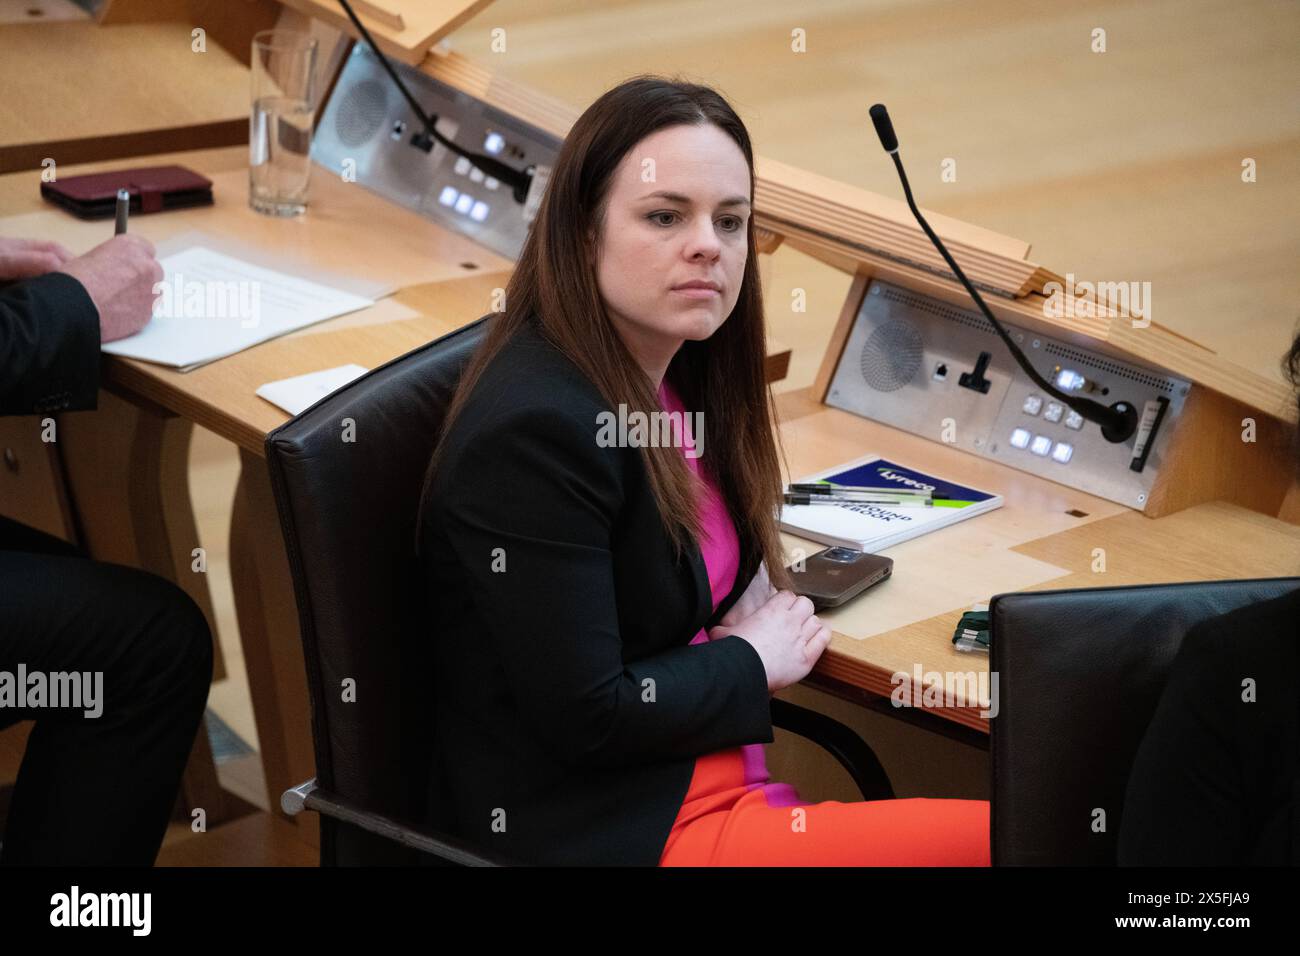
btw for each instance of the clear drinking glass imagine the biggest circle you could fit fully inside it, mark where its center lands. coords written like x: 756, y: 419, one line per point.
x: 280, y: 125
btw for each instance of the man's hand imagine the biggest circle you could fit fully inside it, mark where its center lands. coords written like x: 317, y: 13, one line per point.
x: 756, y: 595
x: 29, y: 258
x: 120, y: 275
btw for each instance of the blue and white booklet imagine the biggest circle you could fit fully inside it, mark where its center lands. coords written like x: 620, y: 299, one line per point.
x: 871, y: 527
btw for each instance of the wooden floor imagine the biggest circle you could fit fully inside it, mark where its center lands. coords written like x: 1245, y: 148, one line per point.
x: 1123, y: 165
x: 255, y: 840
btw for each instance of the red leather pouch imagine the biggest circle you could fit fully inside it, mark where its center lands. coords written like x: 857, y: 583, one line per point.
x: 153, y: 189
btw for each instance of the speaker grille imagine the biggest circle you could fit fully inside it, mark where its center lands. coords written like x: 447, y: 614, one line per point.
x: 926, y: 304
x: 892, y: 355
x: 1083, y: 358
x: 361, y: 113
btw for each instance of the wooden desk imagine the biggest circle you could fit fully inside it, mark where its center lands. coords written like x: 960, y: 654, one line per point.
x: 1045, y: 536
x: 76, y: 92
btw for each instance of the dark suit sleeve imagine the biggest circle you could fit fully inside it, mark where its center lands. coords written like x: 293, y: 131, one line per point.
x: 49, y: 346
x: 1184, y: 805
x: 535, y: 484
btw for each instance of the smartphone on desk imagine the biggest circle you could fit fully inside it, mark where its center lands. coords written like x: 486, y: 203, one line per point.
x: 835, y: 575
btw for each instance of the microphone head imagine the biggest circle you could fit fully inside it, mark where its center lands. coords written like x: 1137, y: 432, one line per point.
x: 884, y: 128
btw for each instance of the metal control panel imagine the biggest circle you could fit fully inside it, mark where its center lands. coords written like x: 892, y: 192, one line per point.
x: 366, y: 132
x: 910, y: 361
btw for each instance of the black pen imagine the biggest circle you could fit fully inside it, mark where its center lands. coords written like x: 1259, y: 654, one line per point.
x: 123, y: 207
x: 796, y: 499
x: 824, y: 488
x: 849, y: 491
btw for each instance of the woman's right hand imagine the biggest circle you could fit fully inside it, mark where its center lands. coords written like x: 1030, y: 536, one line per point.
x: 788, y: 636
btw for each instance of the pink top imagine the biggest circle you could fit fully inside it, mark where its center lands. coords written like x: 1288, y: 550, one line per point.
x: 721, y: 551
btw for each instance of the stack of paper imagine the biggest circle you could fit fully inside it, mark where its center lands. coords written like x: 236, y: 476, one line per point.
x: 213, y: 305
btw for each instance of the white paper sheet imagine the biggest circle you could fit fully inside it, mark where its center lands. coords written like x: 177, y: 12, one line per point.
x: 213, y: 305
x: 299, y: 393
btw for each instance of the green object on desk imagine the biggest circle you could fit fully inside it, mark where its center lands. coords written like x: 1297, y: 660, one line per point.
x: 972, y: 633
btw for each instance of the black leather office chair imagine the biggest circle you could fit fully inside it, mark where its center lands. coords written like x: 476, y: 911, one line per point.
x: 1079, y: 675
x: 348, y: 513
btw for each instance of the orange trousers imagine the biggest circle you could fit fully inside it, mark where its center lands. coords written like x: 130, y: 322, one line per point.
x: 726, y: 822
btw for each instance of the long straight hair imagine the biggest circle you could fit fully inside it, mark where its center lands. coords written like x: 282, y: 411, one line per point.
x: 1291, y: 369
x: 554, y: 285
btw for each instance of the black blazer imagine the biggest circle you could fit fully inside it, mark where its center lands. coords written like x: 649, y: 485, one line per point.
x: 569, y: 705
x: 1216, y: 780
x: 49, y: 346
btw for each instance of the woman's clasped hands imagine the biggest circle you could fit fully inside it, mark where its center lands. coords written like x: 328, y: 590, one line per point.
x: 781, y: 627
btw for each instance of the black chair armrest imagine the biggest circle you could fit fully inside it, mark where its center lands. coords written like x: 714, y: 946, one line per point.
x: 308, y: 796
x: 853, y: 753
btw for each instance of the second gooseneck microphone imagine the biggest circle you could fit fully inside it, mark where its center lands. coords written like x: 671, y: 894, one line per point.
x: 1118, y: 421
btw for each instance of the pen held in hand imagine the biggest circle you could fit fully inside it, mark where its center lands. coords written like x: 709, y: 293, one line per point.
x: 123, y: 208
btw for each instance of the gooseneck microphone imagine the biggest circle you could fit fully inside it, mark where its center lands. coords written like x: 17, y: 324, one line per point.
x: 518, y: 180
x: 884, y: 128
x: 1118, y: 421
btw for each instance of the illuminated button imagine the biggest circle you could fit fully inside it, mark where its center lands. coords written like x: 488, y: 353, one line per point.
x: 448, y: 195
x: 1041, y: 445
x: 476, y: 175
x: 1062, y: 452
x: 491, y: 182
x: 1069, y: 379
x: 1032, y: 405
x: 1074, y: 420
x: 464, y: 203
x: 479, y: 212
x: 1020, y: 438
x: 1053, y: 413
x: 462, y: 166
x: 494, y: 143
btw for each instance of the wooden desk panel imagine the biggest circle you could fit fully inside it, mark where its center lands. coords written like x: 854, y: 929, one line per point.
x: 347, y: 229
x: 1030, y: 543
x: 422, y: 22
x: 75, y: 91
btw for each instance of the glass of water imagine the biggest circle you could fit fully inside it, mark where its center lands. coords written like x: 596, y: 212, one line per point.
x: 280, y: 125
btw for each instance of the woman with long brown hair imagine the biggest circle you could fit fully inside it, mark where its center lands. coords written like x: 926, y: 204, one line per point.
x: 612, y: 608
